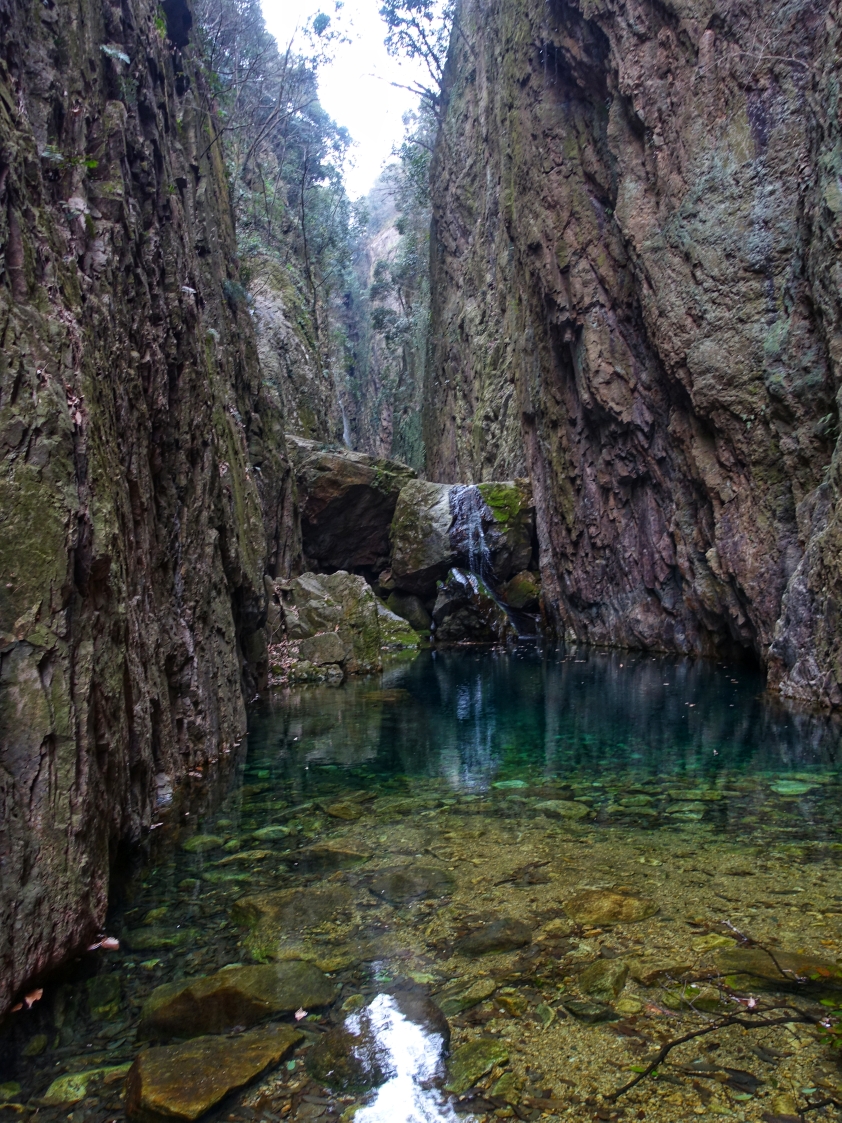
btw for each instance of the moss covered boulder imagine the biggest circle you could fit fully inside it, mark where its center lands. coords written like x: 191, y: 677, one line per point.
x: 523, y: 591
x: 396, y: 634
x: 340, y: 603
x: 184, y: 1081
x: 239, y: 996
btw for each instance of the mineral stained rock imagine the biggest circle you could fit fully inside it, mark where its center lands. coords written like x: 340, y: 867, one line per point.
x: 636, y: 304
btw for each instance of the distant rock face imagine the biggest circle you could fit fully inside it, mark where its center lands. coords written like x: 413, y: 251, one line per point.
x: 636, y: 222
x: 347, y: 501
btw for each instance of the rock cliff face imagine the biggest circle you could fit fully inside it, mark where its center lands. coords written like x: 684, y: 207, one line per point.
x: 144, y: 491
x: 636, y: 302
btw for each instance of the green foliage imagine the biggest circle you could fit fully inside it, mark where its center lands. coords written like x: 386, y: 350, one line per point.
x: 420, y: 29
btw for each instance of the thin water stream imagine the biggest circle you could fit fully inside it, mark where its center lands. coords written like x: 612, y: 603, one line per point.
x: 543, y: 859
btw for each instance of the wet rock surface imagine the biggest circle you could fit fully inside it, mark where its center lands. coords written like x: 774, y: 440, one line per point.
x: 410, y: 883
x: 599, y: 906
x: 505, y: 934
x: 239, y: 996
x: 185, y: 1081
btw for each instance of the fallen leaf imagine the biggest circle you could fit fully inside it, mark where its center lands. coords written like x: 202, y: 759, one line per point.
x: 299, y: 1014
x: 33, y: 997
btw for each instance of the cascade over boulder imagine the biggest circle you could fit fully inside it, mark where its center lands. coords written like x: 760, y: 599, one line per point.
x: 487, y: 527
x: 465, y: 611
x: 347, y: 502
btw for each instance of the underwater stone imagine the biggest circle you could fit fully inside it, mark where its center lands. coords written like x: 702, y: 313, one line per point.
x: 786, y: 969
x: 508, y: 1089
x: 512, y: 1001
x: 647, y: 972
x: 589, y: 1012
x: 185, y: 1081
x: 604, y: 979
x: 153, y: 939
x: 602, y: 906
x: 34, y: 1047
x: 505, y: 934
x: 472, y: 1061
x: 481, y: 989
x: 563, y: 809
x: 73, y: 1087
x: 407, y: 883
x: 346, y: 810
x: 201, y: 843
x: 288, y: 909
x: 238, y: 996
x: 270, y: 834
x: 328, y: 856
x: 104, y: 994
x: 792, y: 787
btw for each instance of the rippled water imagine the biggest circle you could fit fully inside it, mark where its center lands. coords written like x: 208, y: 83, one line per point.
x: 462, y: 794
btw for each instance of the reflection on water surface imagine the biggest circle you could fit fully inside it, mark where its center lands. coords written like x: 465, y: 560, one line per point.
x: 549, y: 861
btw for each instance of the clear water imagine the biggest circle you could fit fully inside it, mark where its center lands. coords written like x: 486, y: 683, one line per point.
x: 528, y: 779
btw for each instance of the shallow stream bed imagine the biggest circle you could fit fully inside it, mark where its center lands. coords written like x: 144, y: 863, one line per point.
x: 577, y: 860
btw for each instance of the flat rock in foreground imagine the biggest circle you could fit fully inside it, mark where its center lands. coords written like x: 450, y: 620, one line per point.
x: 185, y: 1081
x: 240, y: 996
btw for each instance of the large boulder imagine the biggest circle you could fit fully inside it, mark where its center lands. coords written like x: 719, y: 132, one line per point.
x: 466, y: 612
x: 488, y: 528
x: 422, y: 551
x: 340, y: 603
x: 347, y: 502
x: 396, y: 634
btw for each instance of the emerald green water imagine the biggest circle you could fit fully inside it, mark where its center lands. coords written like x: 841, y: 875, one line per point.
x: 520, y: 780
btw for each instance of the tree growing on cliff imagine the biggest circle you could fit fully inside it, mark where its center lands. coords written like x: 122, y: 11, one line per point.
x: 420, y: 29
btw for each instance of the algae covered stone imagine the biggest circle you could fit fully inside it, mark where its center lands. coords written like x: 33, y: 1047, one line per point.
x: 104, y: 997
x: 182, y: 1082
x: 395, y: 633
x: 470, y: 1062
x: 604, y: 978
x: 783, y: 969
x: 290, y: 909
x: 201, y: 843
x: 238, y: 996
x: 466, y: 999
x: 563, y: 809
x: 74, y: 1086
x: 603, y: 906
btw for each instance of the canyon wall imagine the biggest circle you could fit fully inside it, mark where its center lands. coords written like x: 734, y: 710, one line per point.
x: 144, y: 487
x: 636, y: 302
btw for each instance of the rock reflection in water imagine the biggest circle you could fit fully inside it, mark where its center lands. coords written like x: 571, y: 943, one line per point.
x: 411, y: 1058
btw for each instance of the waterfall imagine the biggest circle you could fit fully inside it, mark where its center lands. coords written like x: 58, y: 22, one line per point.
x: 467, y: 534
x: 466, y: 505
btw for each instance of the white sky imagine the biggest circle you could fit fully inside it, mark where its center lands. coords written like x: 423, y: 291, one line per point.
x: 354, y: 88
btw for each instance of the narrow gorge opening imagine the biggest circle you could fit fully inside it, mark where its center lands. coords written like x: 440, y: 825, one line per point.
x: 420, y: 673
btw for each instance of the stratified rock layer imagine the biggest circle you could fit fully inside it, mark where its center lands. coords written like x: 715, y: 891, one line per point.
x: 134, y: 528
x: 636, y: 302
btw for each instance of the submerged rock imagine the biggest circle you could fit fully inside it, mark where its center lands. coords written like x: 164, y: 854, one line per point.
x: 563, y: 809
x: 407, y: 883
x: 74, y: 1086
x: 602, y: 906
x: 238, y: 996
x: 328, y: 857
x: 184, y: 1081
x: 476, y: 993
x: 157, y: 939
x: 472, y: 1061
x: 505, y: 934
x: 104, y: 997
x: 604, y: 978
x: 290, y: 909
x: 201, y: 843
x: 783, y: 968
x: 589, y: 1012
